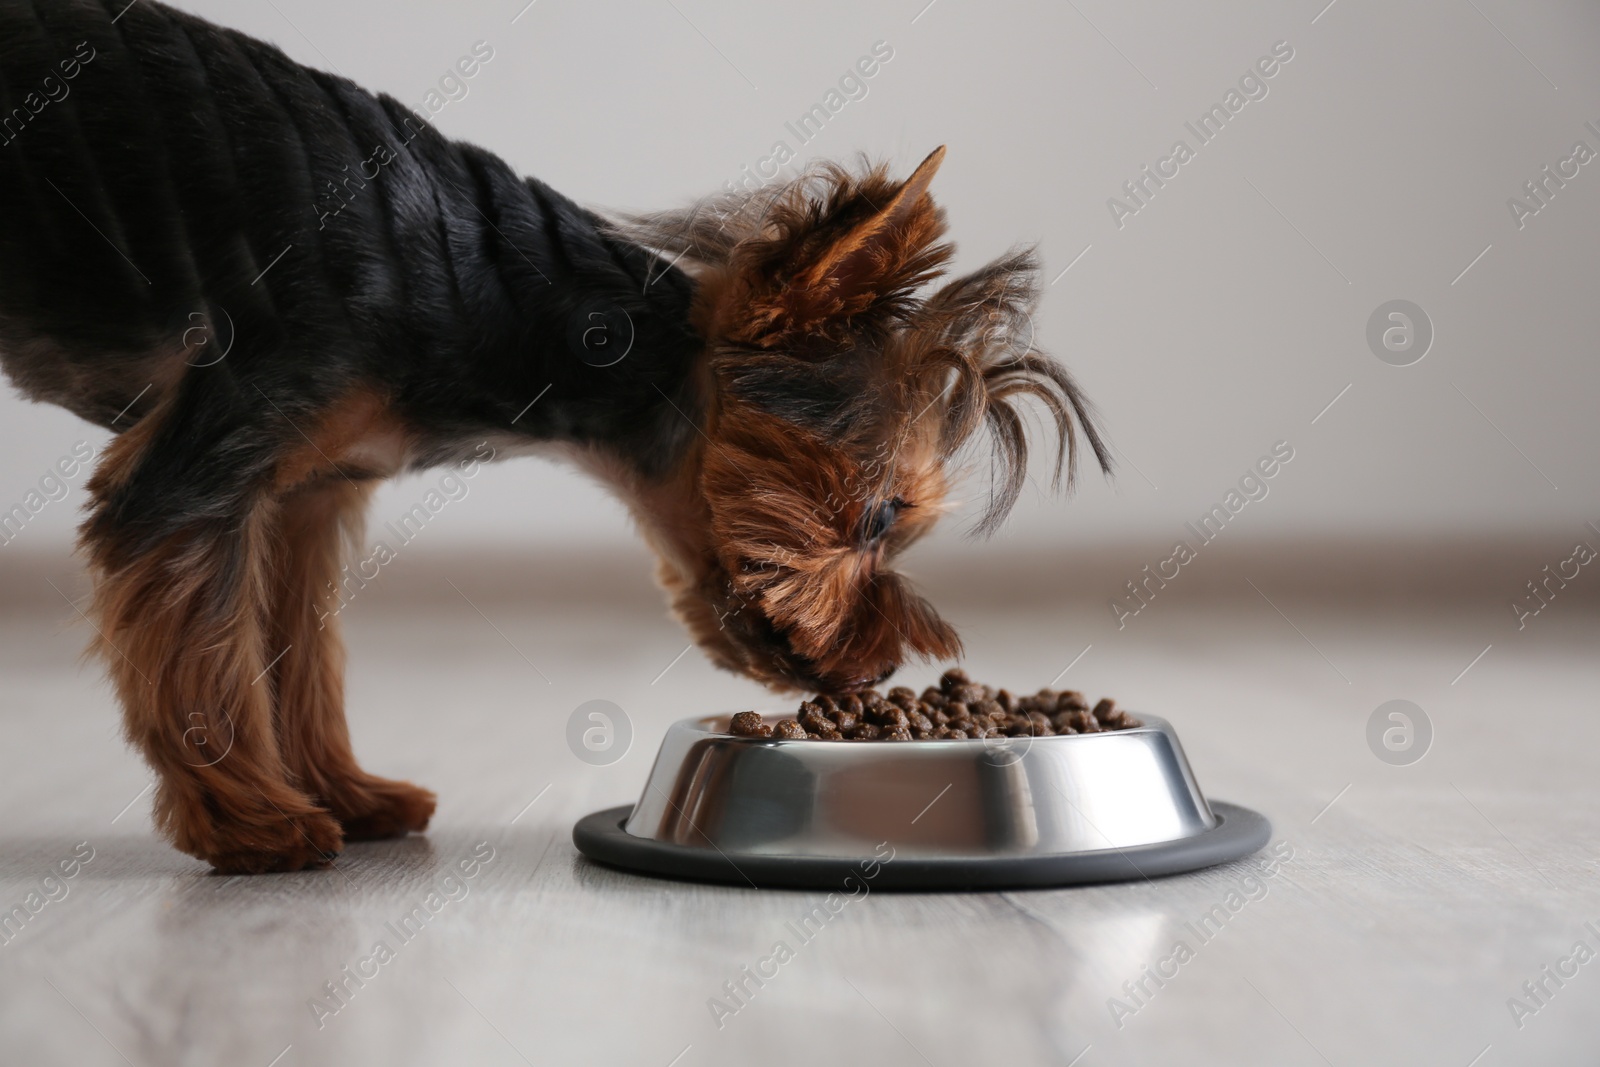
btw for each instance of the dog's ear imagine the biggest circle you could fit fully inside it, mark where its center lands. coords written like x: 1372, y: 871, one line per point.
x: 831, y: 256
x: 809, y: 265
x: 866, y: 252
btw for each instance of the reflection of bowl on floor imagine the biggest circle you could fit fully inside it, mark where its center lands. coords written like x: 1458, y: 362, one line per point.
x: 943, y: 814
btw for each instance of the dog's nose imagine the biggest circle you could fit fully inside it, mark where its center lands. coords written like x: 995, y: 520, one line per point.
x: 805, y: 672
x: 854, y: 682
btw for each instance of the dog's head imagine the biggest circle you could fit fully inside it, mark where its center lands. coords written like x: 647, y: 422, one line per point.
x: 834, y: 401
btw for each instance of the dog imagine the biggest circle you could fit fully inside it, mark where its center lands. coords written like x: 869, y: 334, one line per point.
x: 279, y: 289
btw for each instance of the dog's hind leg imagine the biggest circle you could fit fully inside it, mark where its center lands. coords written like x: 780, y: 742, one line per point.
x: 179, y: 537
x: 318, y: 525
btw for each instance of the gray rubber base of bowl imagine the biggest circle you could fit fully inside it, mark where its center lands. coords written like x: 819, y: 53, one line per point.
x: 1238, y: 833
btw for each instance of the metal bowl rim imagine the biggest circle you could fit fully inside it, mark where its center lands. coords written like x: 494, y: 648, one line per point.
x: 1149, y: 724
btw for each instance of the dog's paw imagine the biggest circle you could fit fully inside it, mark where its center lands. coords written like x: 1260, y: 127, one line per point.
x: 302, y: 843
x: 380, y: 808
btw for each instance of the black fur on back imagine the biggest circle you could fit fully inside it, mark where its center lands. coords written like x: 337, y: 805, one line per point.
x: 187, y: 174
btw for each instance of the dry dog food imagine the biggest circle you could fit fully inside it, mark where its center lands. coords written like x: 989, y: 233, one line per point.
x: 956, y: 708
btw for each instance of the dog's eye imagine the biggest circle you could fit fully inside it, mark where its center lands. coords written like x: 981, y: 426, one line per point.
x: 879, y: 517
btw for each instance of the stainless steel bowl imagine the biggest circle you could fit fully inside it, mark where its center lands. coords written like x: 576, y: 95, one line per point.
x: 926, y: 814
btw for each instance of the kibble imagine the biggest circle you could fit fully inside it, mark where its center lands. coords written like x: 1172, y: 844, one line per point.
x: 955, y: 709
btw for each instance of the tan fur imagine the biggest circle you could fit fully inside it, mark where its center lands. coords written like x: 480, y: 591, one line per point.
x: 358, y: 436
x: 181, y: 631
x: 318, y: 528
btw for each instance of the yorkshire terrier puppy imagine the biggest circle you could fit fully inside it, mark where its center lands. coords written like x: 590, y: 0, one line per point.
x: 278, y: 289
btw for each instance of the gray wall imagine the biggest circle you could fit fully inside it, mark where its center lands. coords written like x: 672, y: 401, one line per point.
x: 1219, y: 319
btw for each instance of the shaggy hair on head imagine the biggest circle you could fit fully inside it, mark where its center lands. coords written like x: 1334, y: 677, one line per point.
x: 838, y: 395
x: 815, y: 317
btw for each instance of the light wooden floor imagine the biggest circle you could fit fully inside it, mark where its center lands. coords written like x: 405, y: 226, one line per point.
x: 1418, y: 899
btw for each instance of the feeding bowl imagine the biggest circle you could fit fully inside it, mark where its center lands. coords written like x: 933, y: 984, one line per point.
x: 935, y: 814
